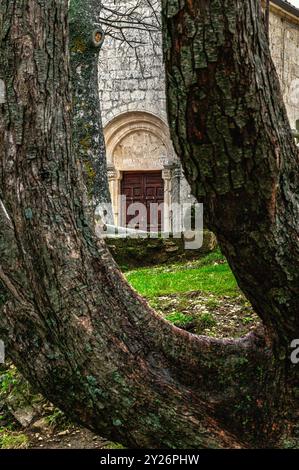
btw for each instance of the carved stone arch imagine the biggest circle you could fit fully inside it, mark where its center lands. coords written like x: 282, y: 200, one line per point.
x: 139, y: 141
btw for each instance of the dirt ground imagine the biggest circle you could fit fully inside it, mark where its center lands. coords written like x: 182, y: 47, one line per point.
x: 75, y: 438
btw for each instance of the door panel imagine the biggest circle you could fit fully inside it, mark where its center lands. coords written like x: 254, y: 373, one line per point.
x: 146, y: 188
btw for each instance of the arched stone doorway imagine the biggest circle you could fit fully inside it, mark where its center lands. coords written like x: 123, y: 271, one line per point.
x: 139, y: 142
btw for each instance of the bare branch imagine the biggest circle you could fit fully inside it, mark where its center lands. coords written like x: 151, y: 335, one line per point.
x: 133, y: 23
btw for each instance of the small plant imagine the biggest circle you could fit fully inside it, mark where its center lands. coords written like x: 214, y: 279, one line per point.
x: 212, y: 304
x: 8, y: 380
x: 179, y: 319
x: 114, y: 445
x: 290, y: 443
x: 206, y: 320
x: 57, y: 419
x: 11, y: 440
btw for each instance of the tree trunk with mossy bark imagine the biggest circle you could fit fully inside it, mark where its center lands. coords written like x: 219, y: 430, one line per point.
x: 86, y: 40
x: 71, y: 323
x: 231, y: 130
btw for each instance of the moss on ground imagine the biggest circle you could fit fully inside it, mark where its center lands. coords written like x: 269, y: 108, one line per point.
x: 12, y: 440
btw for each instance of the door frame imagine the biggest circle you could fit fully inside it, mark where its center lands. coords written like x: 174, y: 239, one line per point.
x: 137, y: 172
x: 170, y: 173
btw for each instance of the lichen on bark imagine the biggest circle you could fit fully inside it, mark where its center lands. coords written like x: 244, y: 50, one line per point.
x: 86, y: 39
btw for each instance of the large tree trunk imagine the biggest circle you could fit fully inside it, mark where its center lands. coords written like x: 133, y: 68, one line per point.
x: 71, y: 323
x: 86, y: 39
x: 231, y: 130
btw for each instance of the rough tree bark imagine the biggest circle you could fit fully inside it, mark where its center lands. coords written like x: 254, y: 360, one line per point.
x: 86, y: 39
x: 231, y: 130
x: 71, y: 323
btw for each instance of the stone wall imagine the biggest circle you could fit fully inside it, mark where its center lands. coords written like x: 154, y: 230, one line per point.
x: 130, y: 82
x: 132, y: 78
x: 284, y: 40
x: 131, y: 253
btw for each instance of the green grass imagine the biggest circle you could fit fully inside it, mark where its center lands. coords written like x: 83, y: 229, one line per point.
x: 206, y: 320
x: 114, y: 446
x: 11, y: 440
x: 179, y: 319
x: 210, y: 273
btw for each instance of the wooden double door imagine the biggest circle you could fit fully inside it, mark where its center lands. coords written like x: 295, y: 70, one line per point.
x: 146, y: 188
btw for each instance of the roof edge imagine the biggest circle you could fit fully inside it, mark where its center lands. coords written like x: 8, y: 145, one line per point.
x: 291, y: 12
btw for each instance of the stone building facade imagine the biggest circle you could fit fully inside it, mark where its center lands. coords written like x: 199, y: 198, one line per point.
x: 132, y: 92
x: 284, y: 41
